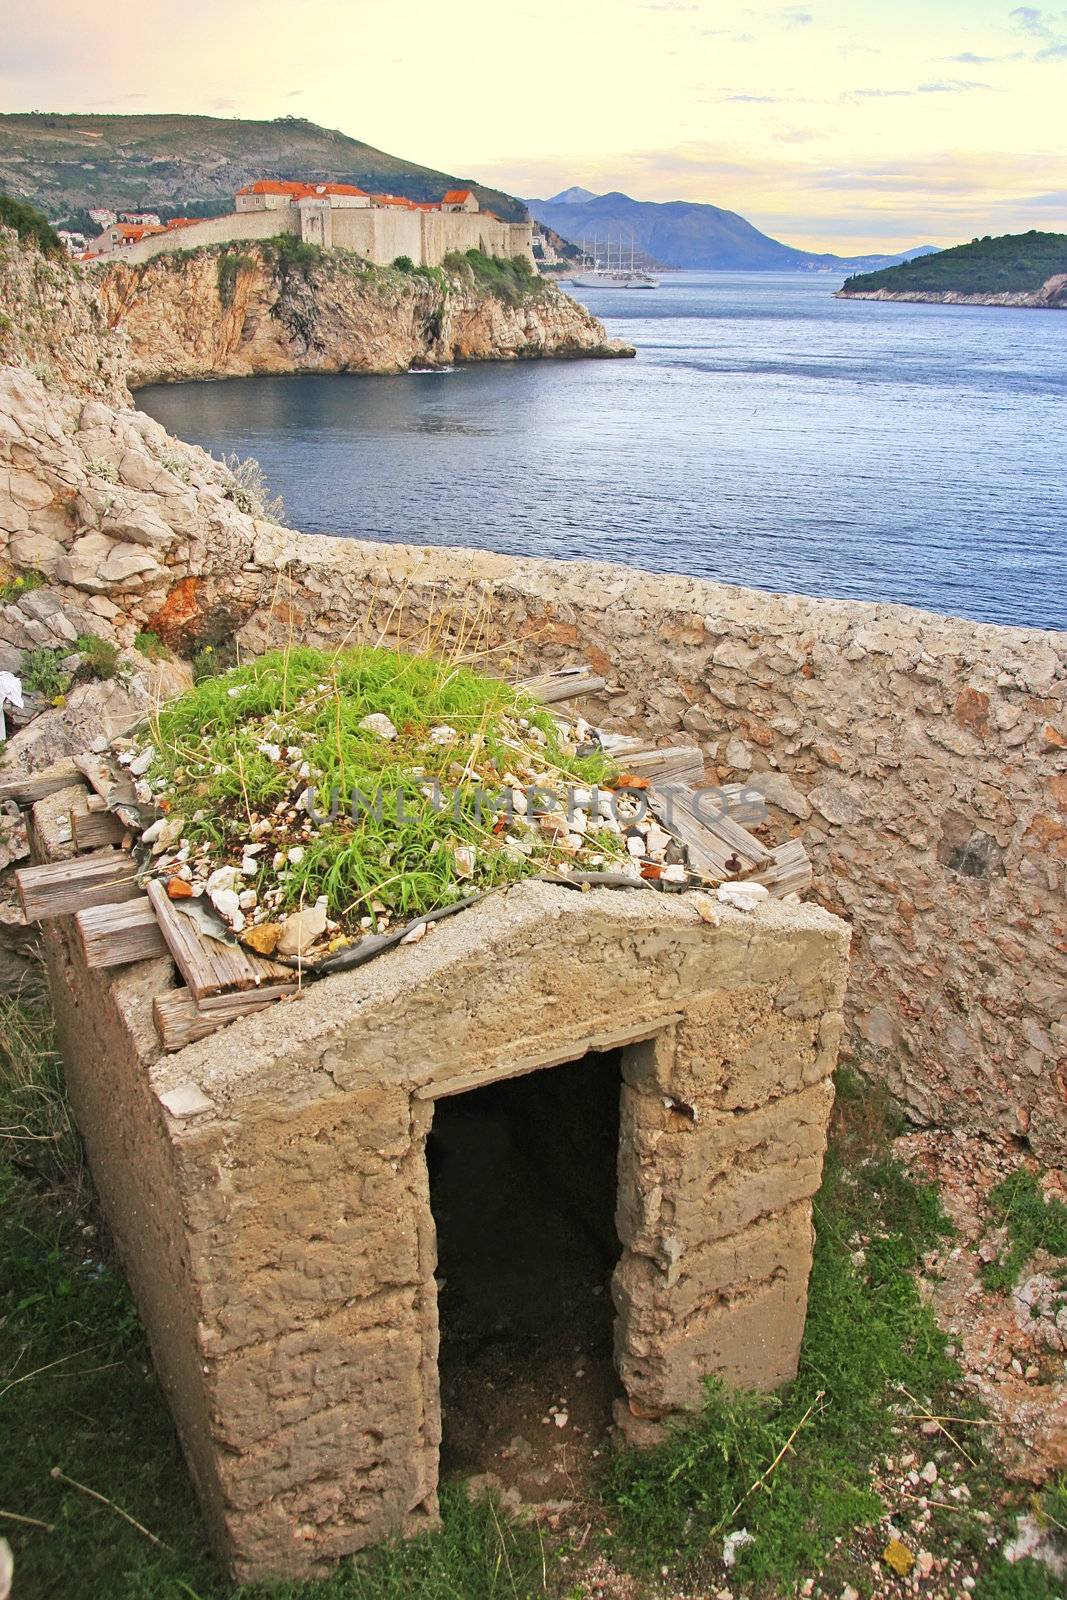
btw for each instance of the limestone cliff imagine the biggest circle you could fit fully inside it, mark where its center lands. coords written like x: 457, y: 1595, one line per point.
x: 228, y: 314
x: 51, y: 320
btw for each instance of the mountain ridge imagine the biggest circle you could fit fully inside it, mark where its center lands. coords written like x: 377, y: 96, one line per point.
x: 692, y: 234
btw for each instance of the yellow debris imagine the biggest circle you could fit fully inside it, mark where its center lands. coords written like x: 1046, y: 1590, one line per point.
x: 899, y: 1557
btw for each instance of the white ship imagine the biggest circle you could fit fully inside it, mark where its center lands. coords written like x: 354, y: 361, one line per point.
x: 595, y: 273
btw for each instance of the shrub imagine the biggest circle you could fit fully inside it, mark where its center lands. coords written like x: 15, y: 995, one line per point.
x: 41, y: 674
x: 511, y: 280
x: 290, y: 255
x: 403, y: 264
x: 31, y: 227
x: 229, y: 268
x: 151, y: 645
x: 101, y: 656
x: 249, y: 490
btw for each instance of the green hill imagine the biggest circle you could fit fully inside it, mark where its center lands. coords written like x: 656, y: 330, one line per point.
x: 1016, y: 263
x: 64, y: 164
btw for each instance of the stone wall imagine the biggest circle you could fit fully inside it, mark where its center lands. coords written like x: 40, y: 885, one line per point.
x: 377, y: 233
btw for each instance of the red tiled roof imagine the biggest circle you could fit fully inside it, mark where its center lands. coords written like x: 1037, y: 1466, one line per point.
x: 183, y: 222
x: 455, y: 196
x: 296, y: 190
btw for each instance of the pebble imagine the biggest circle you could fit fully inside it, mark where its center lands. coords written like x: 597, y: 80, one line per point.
x: 929, y: 1472
x: 378, y: 723
x: 301, y: 928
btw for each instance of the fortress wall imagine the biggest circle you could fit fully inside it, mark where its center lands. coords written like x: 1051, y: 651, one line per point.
x: 379, y: 234
x: 213, y: 230
x: 922, y: 758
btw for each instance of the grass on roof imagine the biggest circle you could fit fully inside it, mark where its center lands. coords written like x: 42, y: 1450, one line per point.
x: 217, y: 765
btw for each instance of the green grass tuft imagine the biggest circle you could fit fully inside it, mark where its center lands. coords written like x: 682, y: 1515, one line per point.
x: 211, y: 770
x: 1032, y: 1222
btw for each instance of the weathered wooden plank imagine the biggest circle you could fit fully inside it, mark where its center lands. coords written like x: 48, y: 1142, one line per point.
x: 246, y: 998
x: 208, y: 966
x: 94, y: 828
x: 60, y: 888
x: 676, y: 763
x: 788, y: 872
x: 180, y: 1021
x: 563, y: 684
x: 114, y: 934
x: 708, y: 855
x: 117, y: 792
x: 34, y: 786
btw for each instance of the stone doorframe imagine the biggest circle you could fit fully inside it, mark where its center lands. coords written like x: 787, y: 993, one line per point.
x: 267, y: 1186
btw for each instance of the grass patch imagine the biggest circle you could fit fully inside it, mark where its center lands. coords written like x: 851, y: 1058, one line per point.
x: 101, y: 656
x: 243, y: 747
x: 12, y: 589
x: 1032, y: 1223
x: 151, y: 646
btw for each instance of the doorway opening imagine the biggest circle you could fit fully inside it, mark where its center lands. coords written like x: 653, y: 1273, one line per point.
x: 523, y: 1179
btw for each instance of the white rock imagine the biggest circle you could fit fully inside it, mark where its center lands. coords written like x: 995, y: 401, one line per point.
x: 228, y: 906
x: 248, y: 899
x: 377, y: 722
x: 301, y: 928
x: 443, y: 734
x: 733, y: 1543
x: 463, y: 855
x: 745, y: 896
x: 221, y: 880
x: 673, y: 874
x: 140, y: 764
x: 296, y: 855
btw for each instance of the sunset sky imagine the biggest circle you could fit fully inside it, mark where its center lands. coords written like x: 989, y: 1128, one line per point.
x: 839, y: 124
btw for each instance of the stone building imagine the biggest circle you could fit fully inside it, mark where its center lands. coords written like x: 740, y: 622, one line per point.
x: 342, y: 216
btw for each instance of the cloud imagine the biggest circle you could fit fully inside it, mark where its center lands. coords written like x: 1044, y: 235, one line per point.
x: 967, y: 58
x: 940, y: 86
x: 1045, y: 26
x: 751, y: 99
x: 794, y: 17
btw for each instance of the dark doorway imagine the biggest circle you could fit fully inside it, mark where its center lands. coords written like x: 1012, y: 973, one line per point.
x: 523, y: 1178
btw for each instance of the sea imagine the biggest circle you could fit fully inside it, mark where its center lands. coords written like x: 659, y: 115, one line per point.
x: 767, y: 434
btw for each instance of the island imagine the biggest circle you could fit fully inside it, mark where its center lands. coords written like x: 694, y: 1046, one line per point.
x: 1016, y: 269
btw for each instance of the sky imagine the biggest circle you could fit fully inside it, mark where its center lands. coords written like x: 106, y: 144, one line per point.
x: 841, y: 125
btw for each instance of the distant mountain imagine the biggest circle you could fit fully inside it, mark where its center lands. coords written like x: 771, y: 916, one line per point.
x: 176, y: 165
x: 1014, y: 263
x: 571, y: 197
x: 684, y: 233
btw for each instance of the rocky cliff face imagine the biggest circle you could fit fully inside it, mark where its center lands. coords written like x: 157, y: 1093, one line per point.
x: 52, y: 321
x: 224, y: 314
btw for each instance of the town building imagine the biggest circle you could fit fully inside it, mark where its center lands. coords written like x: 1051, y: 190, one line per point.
x: 140, y: 219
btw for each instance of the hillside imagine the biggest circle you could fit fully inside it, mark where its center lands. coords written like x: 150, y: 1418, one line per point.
x: 1013, y: 264
x: 177, y: 165
x: 684, y: 233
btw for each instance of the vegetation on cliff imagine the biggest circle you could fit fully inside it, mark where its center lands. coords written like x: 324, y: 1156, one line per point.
x: 1011, y: 264
x: 31, y: 227
x: 69, y: 162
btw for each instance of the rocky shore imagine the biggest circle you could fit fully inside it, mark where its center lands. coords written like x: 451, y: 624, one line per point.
x: 1052, y: 296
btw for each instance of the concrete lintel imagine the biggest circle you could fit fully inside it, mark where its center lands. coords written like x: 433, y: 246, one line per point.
x: 572, y: 1051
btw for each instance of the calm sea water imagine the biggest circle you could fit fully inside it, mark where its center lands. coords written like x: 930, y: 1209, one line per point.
x: 767, y: 435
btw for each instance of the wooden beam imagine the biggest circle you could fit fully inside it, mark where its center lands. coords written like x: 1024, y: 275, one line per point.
x: 112, y: 935
x: 208, y: 966
x: 787, y: 872
x: 180, y: 1021
x: 563, y: 684
x: 34, y: 786
x: 93, y: 828
x: 61, y: 888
